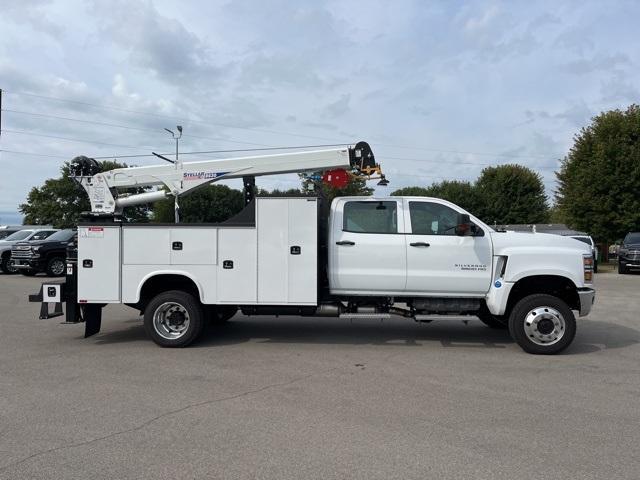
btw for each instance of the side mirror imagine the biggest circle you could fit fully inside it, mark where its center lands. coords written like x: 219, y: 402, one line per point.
x: 463, y: 228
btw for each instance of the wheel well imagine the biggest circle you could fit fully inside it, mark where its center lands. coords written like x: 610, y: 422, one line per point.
x: 163, y: 283
x: 555, y: 285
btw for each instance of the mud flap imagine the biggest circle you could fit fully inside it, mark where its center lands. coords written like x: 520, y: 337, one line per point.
x: 92, y: 314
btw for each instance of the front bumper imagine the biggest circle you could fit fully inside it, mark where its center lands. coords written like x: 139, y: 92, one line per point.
x: 27, y: 264
x: 587, y: 297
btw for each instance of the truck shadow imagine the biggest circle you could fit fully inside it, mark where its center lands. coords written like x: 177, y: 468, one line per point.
x: 592, y: 336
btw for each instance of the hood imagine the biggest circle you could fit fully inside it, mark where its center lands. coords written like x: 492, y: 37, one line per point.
x: 503, y: 240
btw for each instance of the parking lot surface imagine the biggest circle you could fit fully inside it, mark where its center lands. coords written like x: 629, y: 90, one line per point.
x: 265, y: 397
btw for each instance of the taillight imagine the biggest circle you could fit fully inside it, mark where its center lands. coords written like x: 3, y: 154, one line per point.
x: 587, y: 262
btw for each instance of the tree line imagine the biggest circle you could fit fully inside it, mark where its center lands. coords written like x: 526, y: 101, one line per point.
x: 598, y: 189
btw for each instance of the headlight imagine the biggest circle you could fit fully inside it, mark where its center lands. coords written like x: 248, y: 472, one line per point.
x: 587, y: 265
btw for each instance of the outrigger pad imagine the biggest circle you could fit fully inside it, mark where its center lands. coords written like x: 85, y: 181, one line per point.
x: 92, y: 313
x: 49, y: 293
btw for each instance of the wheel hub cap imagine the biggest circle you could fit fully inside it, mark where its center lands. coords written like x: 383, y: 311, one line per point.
x: 544, y: 326
x: 171, y: 320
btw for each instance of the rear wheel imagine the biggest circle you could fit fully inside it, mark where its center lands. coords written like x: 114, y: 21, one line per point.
x: 174, y: 319
x: 56, y: 267
x: 542, y: 324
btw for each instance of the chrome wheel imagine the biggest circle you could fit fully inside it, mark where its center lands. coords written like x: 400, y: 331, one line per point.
x: 57, y: 267
x: 171, y: 320
x: 11, y: 266
x: 544, y: 326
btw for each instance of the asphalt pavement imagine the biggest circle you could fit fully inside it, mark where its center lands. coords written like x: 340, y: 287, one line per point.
x: 317, y: 398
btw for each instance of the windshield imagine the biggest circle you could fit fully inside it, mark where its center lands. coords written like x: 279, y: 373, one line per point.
x: 21, y: 235
x: 5, y: 233
x: 632, y: 238
x: 586, y: 240
x: 62, y: 236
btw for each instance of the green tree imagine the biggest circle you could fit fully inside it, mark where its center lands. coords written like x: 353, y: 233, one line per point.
x: 356, y: 187
x: 461, y: 193
x: 511, y: 194
x: 210, y: 204
x: 60, y: 201
x: 599, y: 179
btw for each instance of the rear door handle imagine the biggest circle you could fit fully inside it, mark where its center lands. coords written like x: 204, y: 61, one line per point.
x: 420, y: 244
x: 345, y: 242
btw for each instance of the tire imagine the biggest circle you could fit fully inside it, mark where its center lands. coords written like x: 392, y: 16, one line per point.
x: 6, y: 265
x: 500, y: 322
x: 220, y: 314
x: 166, y: 315
x: 542, y: 324
x: 56, y: 267
x: 622, y: 269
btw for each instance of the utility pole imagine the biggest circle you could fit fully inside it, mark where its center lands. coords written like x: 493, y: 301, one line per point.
x: 176, y: 207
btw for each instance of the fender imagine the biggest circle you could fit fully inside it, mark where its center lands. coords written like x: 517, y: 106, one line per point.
x: 156, y: 273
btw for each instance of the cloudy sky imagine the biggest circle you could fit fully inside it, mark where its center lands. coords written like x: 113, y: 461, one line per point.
x: 439, y: 89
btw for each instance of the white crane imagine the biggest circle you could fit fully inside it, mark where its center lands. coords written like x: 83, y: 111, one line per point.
x: 184, y: 177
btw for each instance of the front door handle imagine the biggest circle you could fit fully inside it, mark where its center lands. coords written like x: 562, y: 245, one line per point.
x: 345, y: 242
x: 420, y: 244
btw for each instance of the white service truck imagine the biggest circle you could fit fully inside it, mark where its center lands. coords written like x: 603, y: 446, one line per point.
x: 367, y: 257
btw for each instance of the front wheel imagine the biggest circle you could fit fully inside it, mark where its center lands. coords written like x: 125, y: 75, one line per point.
x: 622, y: 269
x: 7, y: 265
x: 542, y: 324
x: 174, y: 319
x: 56, y: 267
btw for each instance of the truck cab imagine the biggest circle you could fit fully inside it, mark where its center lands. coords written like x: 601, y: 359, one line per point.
x: 407, y: 246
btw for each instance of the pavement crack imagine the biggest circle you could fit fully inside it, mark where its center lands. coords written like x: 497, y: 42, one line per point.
x: 164, y: 415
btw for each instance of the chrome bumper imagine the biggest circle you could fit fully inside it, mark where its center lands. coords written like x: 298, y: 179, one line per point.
x: 587, y: 296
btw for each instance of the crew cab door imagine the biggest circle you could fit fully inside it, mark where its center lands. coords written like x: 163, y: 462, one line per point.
x: 438, y: 260
x: 367, y: 252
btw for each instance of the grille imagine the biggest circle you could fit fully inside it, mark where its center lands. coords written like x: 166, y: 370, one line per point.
x: 20, y: 254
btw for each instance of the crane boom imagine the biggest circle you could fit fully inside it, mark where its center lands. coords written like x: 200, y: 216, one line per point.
x: 183, y: 177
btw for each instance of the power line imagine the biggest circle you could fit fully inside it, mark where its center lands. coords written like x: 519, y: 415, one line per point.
x: 137, y: 112
x: 32, y: 154
x: 143, y: 147
x: 128, y: 127
x: 229, y: 151
x: 420, y: 160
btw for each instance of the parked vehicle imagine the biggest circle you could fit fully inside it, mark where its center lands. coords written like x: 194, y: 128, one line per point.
x: 421, y: 258
x: 629, y: 253
x: 6, y: 230
x: 6, y: 264
x: 48, y: 255
x: 594, y: 249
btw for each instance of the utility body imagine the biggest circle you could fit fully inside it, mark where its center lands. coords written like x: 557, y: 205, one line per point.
x: 360, y: 257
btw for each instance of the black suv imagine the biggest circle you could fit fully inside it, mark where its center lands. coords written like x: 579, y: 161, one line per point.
x: 48, y: 255
x: 629, y: 253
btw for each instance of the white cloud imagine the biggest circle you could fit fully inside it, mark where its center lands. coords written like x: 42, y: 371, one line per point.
x: 429, y: 78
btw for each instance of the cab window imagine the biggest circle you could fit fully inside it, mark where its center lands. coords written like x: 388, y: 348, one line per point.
x: 370, y: 217
x: 428, y: 218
